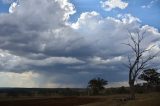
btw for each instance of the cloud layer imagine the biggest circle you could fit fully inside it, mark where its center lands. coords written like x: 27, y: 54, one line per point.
x: 38, y: 39
x: 112, y: 4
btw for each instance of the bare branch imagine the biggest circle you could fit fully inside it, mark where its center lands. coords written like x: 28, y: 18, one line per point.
x: 129, y: 60
x: 146, y: 50
x: 142, y: 37
x: 133, y: 48
x: 138, y: 62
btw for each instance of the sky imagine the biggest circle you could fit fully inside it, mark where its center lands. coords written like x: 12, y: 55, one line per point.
x: 65, y: 43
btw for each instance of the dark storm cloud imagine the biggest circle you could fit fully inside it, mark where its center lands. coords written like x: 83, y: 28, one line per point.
x: 37, y: 37
x: 37, y: 30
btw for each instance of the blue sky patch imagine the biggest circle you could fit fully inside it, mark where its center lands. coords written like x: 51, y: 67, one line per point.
x: 149, y: 15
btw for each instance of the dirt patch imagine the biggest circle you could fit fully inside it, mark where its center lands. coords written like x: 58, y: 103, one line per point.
x: 60, y: 101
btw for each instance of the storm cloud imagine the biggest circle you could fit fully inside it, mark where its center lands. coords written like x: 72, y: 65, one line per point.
x: 38, y: 39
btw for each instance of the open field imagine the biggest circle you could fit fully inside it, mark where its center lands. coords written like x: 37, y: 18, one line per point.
x: 52, y: 101
x: 150, y: 99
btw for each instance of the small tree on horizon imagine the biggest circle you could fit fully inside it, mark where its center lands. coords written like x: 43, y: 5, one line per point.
x: 151, y: 76
x: 96, y: 85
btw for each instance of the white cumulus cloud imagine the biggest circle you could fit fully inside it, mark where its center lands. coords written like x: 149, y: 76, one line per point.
x: 13, y: 7
x: 112, y: 4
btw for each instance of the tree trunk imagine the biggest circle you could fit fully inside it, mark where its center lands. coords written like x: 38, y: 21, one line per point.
x: 132, y: 90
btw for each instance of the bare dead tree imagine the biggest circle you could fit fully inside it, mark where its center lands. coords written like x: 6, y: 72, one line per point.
x: 137, y: 62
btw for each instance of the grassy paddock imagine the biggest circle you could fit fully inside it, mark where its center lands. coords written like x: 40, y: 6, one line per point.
x: 145, y: 99
x: 149, y: 99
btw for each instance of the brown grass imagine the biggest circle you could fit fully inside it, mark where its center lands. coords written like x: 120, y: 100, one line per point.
x: 54, y: 101
x: 150, y: 99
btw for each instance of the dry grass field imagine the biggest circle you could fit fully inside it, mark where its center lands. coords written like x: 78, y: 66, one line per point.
x: 150, y: 99
x: 52, y: 101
